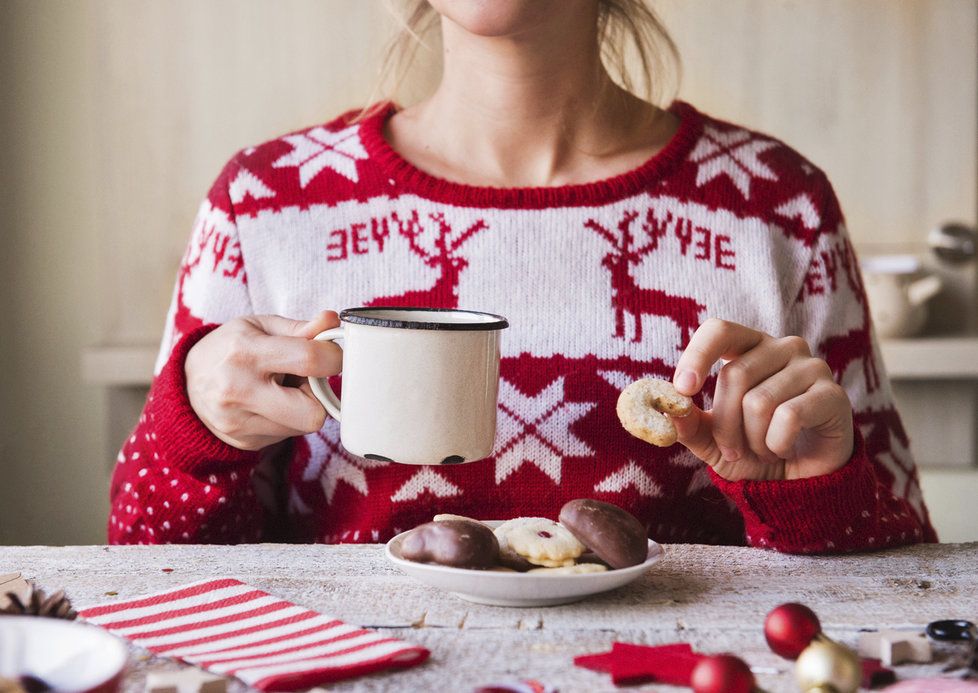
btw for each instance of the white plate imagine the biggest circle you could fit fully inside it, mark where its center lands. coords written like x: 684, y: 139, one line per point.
x: 66, y: 655
x: 518, y: 589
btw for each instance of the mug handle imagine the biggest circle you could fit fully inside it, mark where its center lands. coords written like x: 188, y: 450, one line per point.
x: 320, y: 386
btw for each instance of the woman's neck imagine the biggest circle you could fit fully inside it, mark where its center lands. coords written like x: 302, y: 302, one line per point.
x: 535, y: 109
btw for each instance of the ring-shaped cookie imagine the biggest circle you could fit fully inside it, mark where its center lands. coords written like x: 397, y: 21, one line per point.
x: 642, y: 409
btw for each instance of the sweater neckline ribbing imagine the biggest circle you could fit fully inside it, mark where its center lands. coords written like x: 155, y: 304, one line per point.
x: 412, y: 179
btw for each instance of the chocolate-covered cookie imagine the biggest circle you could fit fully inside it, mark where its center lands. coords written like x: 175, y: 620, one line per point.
x: 455, y: 543
x: 615, y: 535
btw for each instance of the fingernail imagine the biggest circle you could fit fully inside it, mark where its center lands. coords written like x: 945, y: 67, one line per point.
x: 686, y: 381
x: 729, y: 454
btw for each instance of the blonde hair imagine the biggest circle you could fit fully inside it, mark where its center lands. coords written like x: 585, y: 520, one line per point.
x: 636, y: 47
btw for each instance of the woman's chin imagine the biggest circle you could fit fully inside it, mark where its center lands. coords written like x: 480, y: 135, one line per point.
x: 503, y: 18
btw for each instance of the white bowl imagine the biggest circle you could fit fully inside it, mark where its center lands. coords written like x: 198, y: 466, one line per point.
x: 67, y: 656
x: 518, y: 589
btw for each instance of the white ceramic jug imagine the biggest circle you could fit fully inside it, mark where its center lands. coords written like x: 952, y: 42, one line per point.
x: 898, y: 293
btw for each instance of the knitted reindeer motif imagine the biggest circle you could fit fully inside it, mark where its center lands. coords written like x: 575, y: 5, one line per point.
x: 627, y: 297
x: 883, y: 425
x: 226, y: 258
x: 840, y: 351
x: 444, y: 292
x: 184, y: 320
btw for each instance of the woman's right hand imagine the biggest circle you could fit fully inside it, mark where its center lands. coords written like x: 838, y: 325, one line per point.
x: 239, y: 384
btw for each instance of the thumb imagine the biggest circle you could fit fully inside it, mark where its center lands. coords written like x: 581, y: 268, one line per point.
x: 695, y: 431
x: 322, y: 321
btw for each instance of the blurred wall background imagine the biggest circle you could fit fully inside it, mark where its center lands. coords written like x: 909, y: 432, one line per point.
x: 116, y: 116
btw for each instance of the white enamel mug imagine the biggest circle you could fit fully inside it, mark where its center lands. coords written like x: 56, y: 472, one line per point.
x: 419, y: 384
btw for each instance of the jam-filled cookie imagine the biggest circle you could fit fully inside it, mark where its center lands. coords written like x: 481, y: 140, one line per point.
x: 540, y: 541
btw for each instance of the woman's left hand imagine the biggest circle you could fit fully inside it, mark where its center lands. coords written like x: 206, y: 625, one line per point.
x: 777, y: 412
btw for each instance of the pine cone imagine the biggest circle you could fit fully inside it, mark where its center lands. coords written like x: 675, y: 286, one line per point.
x: 25, y: 684
x: 39, y: 603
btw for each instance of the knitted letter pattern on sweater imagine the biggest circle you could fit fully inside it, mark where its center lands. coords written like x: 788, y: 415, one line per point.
x: 602, y: 283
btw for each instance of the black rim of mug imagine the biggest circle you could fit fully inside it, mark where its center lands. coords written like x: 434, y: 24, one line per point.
x: 363, y: 316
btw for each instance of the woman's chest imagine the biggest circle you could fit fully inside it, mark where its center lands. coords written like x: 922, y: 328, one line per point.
x: 632, y: 280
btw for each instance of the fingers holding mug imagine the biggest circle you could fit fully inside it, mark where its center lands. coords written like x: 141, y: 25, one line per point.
x: 308, y: 358
x: 318, y: 385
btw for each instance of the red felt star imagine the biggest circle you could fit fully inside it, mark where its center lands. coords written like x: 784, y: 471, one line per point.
x: 630, y: 664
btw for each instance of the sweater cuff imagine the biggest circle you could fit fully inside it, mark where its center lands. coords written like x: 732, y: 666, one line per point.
x: 814, y: 515
x: 184, y: 441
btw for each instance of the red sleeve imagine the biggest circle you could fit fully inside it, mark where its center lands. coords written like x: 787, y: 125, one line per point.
x: 850, y: 509
x: 174, y: 481
x: 874, y: 501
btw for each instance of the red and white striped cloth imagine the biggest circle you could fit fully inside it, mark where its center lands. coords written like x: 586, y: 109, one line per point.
x: 232, y: 629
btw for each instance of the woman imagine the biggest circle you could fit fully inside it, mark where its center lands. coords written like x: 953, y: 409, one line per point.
x: 621, y: 240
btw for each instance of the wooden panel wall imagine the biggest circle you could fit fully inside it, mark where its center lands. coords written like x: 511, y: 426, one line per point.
x: 879, y: 93
x: 181, y: 85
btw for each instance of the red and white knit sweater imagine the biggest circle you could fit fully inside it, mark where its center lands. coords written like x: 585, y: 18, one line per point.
x: 602, y: 283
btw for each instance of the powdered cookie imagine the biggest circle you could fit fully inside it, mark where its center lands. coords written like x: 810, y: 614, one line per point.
x: 576, y: 569
x: 642, y: 407
x: 540, y: 541
x: 444, y: 517
x: 546, y: 563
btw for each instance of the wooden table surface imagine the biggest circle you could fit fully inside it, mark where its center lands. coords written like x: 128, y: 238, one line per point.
x: 714, y: 598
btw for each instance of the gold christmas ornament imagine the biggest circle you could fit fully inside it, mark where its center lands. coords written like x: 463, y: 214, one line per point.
x: 827, y: 666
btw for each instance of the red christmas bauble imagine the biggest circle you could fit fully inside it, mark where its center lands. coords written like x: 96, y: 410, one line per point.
x: 790, y: 628
x: 722, y: 674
